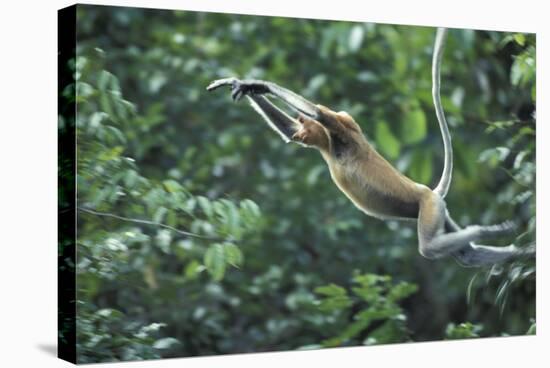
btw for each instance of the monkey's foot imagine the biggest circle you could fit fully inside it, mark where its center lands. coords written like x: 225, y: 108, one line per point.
x: 503, y: 229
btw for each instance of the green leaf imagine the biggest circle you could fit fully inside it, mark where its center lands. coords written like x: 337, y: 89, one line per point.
x: 331, y: 290
x: 370, y: 294
x: 351, y: 331
x: 370, y: 279
x: 206, y: 206
x: 233, y: 255
x: 356, y: 37
x: 413, y: 129
x: 386, y: 141
x: 130, y: 178
x: 110, y: 154
x: 109, y: 313
x: 251, y: 208
x: 391, y: 331
x: 107, y: 81
x: 421, y: 166
x: 401, y: 291
x: 520, y: 38
x: 84, y: 90
x: 193, y: 269
x: 106, y: 105
x: 153, y: 327
x: 336, y: 298
x: 463, y: 331
x: 375, y: 313
x: 117, y: 134
x: 523, y: 69
x: 95, y: 121
x: 230, y: 214
x: 493, y: 156
x: 250, y: 214
x: 171, y: 186
x: 214, y: 261
x: 159, y: 214
x: 165, y: 343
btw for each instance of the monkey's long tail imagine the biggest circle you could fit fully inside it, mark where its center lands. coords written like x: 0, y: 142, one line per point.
x: 444, y: 183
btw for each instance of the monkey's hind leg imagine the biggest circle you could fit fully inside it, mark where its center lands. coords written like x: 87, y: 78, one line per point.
x: 435, y: 243
x: 476, y: 255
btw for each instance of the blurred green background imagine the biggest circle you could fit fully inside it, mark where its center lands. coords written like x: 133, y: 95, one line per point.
x: 281, y: 259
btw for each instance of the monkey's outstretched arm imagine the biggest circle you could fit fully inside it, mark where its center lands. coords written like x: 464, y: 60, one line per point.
x: 252, y: 87
x: 240, y: 88
x: 277, y: 119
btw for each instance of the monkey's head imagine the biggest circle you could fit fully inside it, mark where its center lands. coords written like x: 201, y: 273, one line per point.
x: 342, y: 118
x: 312, y: 133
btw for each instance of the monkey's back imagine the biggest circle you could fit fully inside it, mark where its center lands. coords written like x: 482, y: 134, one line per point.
x: 376, y: 187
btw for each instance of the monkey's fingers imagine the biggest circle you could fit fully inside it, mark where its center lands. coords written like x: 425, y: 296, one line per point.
x: 221, y: 82
x: 237, y: 94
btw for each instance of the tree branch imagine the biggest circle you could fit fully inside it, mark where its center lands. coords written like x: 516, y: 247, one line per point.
x: 150, y: 223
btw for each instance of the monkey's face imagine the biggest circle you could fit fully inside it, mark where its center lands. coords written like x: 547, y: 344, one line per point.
x: 312, y: 133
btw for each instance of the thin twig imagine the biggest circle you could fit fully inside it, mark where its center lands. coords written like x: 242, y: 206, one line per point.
x: 151, y: 223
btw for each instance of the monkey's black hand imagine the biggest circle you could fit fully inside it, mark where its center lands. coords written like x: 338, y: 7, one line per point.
x: 221, y: 82
x: 239, y: 88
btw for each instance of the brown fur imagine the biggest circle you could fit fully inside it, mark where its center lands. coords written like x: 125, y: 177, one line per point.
x: 362, y: 174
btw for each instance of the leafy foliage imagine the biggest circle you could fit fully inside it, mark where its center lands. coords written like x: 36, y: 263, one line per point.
x: 110, y: 181
x: 516, y: 157
x: 375, y: 300
x: 200, y: 232
x: 462, y: 331
x: 105, y: 335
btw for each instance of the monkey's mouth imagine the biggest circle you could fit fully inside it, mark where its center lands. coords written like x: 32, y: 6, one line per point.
x: 301, y: 135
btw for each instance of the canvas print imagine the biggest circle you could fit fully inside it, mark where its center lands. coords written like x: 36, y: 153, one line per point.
x: 241, y: 184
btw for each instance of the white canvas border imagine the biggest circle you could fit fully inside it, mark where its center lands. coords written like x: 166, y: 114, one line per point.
x: 29, y: 165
